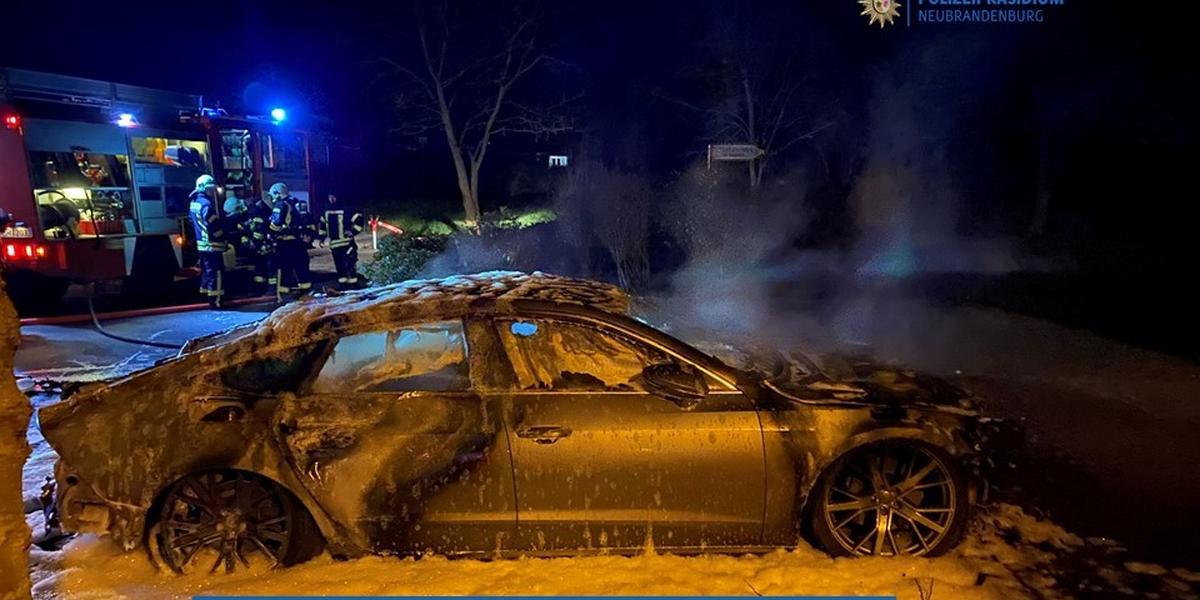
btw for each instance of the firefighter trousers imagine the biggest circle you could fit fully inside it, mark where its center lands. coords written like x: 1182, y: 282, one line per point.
x: 212, y: 268
x: 345, y: 260
x: 264, y: 268
x: 293, y: 273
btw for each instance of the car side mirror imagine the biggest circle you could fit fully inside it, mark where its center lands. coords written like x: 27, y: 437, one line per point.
x: 681, y: 385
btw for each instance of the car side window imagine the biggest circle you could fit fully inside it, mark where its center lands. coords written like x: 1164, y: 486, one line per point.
x: 275, y: 374
x: 561, y: 356
x: 427, y: 357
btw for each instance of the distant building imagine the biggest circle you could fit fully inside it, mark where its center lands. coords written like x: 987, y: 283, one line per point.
x: 552, y: 160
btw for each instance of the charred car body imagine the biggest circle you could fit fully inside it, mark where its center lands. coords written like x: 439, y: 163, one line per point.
x: 500, y: 414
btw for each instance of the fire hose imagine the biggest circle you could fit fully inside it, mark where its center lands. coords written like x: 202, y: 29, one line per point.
x: 120, y: 338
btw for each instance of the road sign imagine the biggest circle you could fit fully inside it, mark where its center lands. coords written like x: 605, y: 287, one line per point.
x: 733, y: 153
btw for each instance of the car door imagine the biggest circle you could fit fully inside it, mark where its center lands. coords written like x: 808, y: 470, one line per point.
x: 601, y: 462
x: 396, y: 445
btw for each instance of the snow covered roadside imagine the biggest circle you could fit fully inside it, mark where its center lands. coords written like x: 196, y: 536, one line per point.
x: 983, y: 567
x: 1008, y: 554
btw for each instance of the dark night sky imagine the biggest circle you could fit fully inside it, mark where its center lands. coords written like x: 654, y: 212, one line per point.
x: 1102, y: 79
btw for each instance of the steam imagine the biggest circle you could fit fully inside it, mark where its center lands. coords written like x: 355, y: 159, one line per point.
x: 743, y: 280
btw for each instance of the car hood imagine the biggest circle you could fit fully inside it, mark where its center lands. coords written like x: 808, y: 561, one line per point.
x: 843, y: 376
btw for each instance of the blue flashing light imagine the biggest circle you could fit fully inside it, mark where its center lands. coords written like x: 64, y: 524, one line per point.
x: 126, y: 120
x: 278, y: 114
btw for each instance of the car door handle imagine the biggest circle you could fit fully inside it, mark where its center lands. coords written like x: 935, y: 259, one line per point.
x: 217, y: 409
x: 546, y: 434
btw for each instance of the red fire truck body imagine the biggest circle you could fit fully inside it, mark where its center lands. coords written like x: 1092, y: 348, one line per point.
x: 95, y: 177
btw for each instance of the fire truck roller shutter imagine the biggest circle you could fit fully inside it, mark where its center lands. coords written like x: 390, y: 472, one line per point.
x: 104, y: 144
x: 61, y: 136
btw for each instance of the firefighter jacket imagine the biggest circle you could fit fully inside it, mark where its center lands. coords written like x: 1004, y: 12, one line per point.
x: 207, y: 224
x: 340, y: 225
x: 260, y: 227
x: 289, y: 221
x: 237, y: 232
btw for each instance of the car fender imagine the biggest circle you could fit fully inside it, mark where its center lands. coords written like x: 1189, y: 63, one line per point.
x: 916, y: 432
x: 263, y: 458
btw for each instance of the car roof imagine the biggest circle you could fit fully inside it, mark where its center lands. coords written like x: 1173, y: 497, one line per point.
x: 415, y: 301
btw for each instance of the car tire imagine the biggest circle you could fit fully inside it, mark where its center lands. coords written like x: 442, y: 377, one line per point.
x: 919, y: 508
x: 231, y: 515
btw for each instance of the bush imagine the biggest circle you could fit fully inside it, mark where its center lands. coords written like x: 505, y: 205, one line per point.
x: 508, y: 219
x: 402, y: 257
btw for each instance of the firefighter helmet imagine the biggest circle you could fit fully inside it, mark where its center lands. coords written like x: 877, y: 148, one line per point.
x: 279, y: 190
x: 204, y: 182
x: 234, y: 206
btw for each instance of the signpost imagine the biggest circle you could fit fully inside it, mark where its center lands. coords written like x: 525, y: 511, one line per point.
x: 733, y: 153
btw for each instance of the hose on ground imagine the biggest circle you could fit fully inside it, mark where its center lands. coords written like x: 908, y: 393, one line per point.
x: 120, y: 338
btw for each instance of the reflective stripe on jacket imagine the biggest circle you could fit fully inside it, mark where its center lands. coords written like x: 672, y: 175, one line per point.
x: 340, y: 230
x: 289, y: 220
x: 206, y: 223
x: 260, y: 229
x: 281, y: 220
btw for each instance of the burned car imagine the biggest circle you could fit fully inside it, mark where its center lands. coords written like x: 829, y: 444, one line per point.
x: 500, y: 414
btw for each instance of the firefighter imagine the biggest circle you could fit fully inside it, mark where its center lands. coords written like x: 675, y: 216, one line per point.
x: 210, y: 238
x: 263, y: 243
x: 293, y: 233
x: 339, y: 224
x: 237, y: 224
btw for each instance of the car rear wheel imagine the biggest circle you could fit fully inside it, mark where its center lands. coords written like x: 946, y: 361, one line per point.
x: 888, y: 499
x: 232, y: 519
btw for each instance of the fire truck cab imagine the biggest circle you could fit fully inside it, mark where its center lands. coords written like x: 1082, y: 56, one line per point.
x: 95, y: 178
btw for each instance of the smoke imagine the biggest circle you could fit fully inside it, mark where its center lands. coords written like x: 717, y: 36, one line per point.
x: 744, y: 277
x: 906, y: 202
x: 746, y: 280
x: 735, y: 239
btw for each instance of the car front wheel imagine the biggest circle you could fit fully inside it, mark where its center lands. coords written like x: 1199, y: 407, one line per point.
x: 232, y: 519
x: 890, y: 498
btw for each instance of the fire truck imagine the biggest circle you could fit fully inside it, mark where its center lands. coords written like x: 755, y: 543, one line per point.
x: 95, y: 178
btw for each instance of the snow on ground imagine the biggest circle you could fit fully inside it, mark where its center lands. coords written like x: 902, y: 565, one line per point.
x: 1007, y: 554
x: 983, y: 567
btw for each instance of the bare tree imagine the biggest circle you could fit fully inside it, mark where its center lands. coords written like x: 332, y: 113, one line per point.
x: 757, y: 92
x: 462, y: 81
x: 601, y: 207
x: 763, y: 111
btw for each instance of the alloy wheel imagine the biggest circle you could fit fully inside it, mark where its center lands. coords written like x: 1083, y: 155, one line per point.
x: 231, y: 518
x: 890, y: 499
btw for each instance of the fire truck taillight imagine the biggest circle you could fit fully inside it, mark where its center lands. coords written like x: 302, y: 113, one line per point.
x: 12, y: 121
x: 24, y: 251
